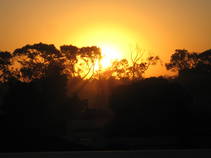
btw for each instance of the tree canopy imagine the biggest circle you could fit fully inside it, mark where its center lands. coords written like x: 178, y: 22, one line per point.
x: 35, y: 61
x: 184, y: 61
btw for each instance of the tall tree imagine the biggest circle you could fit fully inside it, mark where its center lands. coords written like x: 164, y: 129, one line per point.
x: 34, y: 60
x: 182, y: 60
x: 80, y: 61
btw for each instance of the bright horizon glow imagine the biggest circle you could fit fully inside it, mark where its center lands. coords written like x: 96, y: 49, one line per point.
x: 109, y: 54
x: 110, y: 38
x: 158, y: 26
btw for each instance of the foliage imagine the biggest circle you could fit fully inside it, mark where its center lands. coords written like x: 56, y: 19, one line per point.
x: 79, y: 62
x: 130, y: 70
x: 5, y: 58
x: 184, y: 61
x: 34, y: 61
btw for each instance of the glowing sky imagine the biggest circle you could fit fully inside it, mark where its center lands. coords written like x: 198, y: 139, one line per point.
x: 158, y: 26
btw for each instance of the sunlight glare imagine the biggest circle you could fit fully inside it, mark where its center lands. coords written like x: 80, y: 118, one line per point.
x: 109, y: 54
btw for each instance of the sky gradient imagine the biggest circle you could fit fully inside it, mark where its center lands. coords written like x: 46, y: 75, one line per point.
x: 157, y: 26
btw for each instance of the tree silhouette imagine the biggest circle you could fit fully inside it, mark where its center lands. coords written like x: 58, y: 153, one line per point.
x: 34, y: 60
x: 70, y: 53
x: 80, y: 61
x: 48, y: 52
x: 139, y: 64
x: 88, y: 56
x: 41, y: 107
x: 194, y: 74
x: 204, y: 62
x: 36, y: 100
x: 5, y: 62
x: 182, y: 61
x: 123, y: 70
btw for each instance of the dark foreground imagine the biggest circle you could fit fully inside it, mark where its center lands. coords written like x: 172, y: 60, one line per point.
x: 58, y: 144
x: 123, y: 154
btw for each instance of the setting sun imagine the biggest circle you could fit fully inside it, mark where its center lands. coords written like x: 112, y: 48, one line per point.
x: 109, y: 54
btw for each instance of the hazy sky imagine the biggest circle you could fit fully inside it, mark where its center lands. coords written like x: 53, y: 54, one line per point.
x: 158, y: 26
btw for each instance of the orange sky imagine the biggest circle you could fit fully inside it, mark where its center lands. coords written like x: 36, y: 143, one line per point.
x: 157, y: 26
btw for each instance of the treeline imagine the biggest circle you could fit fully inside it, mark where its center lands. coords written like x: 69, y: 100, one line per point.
x: 34, y: 61
x: 173, y: 112
x: 35, y: 105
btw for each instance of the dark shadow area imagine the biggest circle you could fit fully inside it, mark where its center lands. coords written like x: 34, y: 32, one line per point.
x: 49, y: 104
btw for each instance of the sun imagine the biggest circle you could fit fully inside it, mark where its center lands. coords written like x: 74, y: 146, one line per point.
x: 109, y: 55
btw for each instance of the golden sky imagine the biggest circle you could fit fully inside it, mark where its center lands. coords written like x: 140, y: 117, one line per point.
x: 157, y: 26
